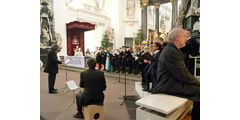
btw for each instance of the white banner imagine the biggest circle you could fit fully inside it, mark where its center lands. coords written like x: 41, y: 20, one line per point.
x: 76, y: 61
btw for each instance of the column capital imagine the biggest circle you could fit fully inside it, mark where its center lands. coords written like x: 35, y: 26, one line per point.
x: 145, y: 2
x: 157, y: 5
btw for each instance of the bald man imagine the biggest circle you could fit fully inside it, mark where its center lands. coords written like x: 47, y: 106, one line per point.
x: 173, y: 77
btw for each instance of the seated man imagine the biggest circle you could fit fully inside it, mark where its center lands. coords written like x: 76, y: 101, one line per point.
x: 173, y: 77
x: 93, y: 82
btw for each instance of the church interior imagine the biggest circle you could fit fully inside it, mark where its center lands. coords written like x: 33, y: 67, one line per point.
x: 85, y: 29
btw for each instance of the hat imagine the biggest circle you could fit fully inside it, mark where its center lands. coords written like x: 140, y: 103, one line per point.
x: 44, y: 3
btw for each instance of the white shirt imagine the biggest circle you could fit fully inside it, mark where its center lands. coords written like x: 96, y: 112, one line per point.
x: 156, y: 51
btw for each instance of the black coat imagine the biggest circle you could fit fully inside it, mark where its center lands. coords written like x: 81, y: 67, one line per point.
x: 99, y: 57
x: 93, y: 82
x: 52, y: 62
x: 153, y: 67
x: 173, y: 77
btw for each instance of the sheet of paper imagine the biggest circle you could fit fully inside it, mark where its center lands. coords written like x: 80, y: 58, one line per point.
x: 72, y: 85
x: 67, y: 61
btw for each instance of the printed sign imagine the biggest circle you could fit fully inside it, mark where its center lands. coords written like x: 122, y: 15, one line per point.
x: 76, y: 61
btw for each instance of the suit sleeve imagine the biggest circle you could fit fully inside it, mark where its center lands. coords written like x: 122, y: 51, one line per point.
x: 54, y: 58
x: 82, y: 80
x: 178, y: 69
x: 155, y: 61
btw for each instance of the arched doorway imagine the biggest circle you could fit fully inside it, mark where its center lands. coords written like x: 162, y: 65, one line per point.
x: 75, y: 35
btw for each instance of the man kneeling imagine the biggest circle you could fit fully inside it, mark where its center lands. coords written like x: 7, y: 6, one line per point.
x: 93, y: 82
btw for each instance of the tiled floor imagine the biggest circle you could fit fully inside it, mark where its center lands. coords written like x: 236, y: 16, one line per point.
x: 53, y: 106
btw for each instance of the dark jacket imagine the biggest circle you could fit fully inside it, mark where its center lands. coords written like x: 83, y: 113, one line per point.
x: 99, y: 57
x: 52, y: 62
x: 93, y: 82
x: 173, y: 77
x: 154, y: 66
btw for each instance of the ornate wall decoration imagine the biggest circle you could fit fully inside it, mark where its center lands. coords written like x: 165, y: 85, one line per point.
x: 59, y: 40
x: 130, y: 8
x: 110, y: 32
x: 194, y: 9
x: 99, y: 3
x: 182, y: 12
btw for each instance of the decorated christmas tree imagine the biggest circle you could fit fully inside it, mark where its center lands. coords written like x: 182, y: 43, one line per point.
x: 139, y: 38
x: 105, y: 41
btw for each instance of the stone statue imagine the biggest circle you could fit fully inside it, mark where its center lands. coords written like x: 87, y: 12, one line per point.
x: 46, y: 25
x: 194, y: 9
x: 59, y: 40
x: 46, y: 36
x: 196, y: 25
x: 130, y: 8
x: 110, y: 33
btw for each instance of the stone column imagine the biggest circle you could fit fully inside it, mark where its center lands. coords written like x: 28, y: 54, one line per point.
x: 174, y: 12
x: 144, y: 30
x: 157, y: 5
x: 141, y: 6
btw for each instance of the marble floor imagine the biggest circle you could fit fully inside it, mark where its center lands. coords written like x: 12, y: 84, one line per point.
x: 53, y: 106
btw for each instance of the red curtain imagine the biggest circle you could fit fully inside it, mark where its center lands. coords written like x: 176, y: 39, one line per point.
x: 75, y: 35
x: 75, y: 38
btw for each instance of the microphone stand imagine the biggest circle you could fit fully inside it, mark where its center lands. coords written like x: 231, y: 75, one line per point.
x: 118, y: 78
x: 65, y: 88
x: 125, y: 85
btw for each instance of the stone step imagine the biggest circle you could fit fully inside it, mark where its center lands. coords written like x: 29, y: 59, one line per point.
x: 109, y: 74
x: 139, y: 89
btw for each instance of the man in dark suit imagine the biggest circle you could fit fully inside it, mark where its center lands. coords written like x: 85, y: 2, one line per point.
x: 129, y: 60
x: 99, y: 59
x: 191, y: 48
x: 52, y: 67
x: 151, y: 75
x: 173, y: 77
x: 104, y: 56
x: 93, y: 82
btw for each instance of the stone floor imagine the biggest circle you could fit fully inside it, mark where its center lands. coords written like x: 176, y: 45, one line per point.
x: 53, y: 106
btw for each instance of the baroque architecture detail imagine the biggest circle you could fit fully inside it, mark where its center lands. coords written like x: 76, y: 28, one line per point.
x: 47, y: 36
x: 130, y: 8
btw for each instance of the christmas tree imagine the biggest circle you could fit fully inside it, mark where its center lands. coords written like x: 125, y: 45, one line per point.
x: 105, y: 42
x: 139, y: 38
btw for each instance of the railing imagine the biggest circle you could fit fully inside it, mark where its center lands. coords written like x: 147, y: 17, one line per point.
x: 196, y: 64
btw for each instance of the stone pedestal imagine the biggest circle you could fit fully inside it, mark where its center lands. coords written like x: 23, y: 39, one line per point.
x: 189, y: 21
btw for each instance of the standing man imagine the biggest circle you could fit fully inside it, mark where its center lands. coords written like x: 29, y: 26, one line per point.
x: 52, y: 67
x: 99, y: 59
x: 93, y: 82
x: 173, y: 77
x: 153, y: 67
x: 104, y: 56
x: 190, y: 49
